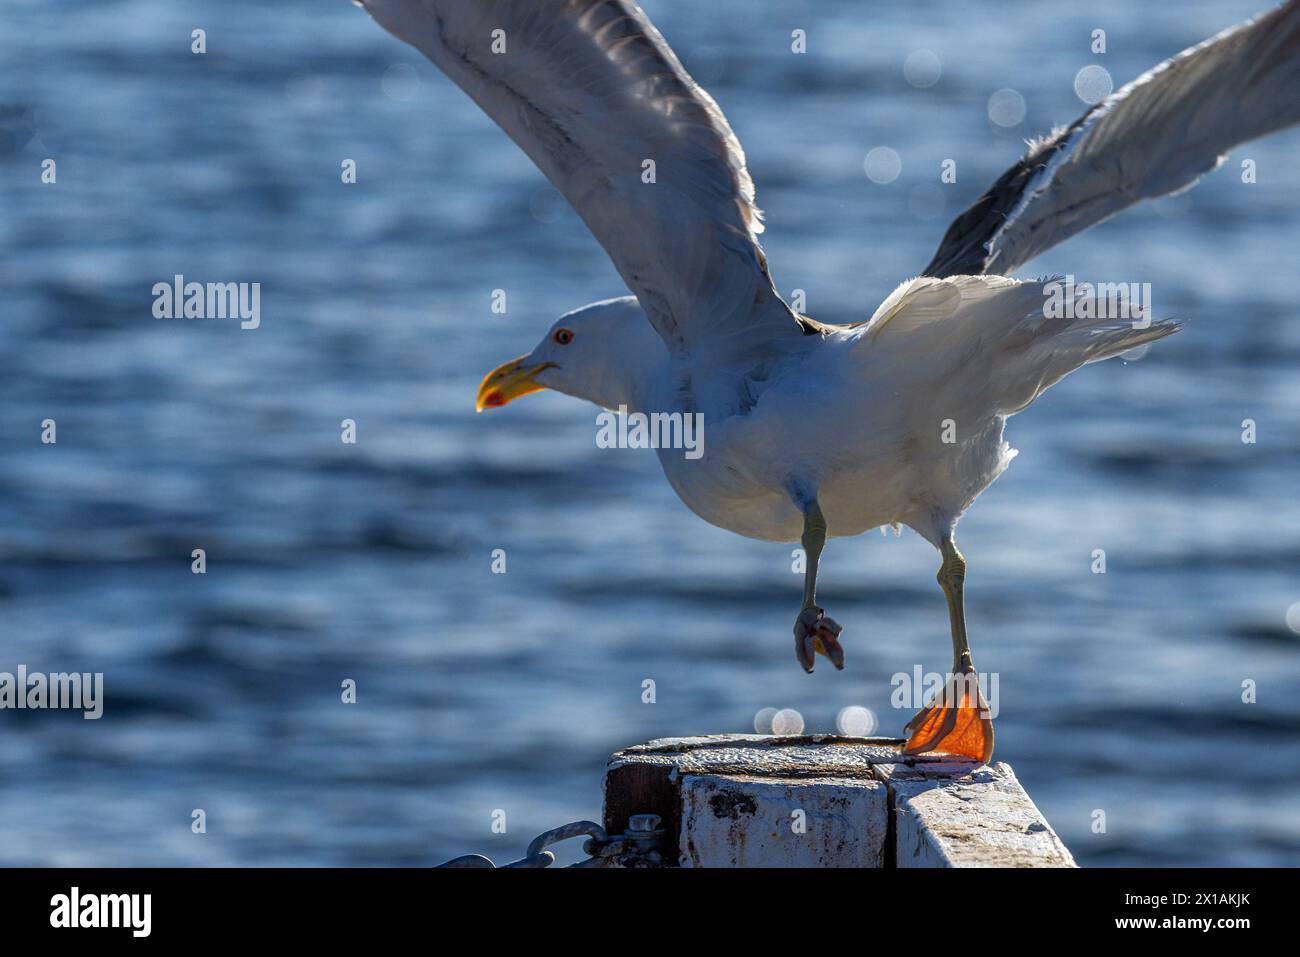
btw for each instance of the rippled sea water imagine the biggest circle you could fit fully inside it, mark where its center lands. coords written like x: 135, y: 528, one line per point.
x: 1119, y: 692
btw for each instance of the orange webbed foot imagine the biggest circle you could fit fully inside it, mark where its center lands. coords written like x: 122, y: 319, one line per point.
x: 957, y: 722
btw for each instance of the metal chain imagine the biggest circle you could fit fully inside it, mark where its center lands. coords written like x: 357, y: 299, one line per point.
x: 638, y: 847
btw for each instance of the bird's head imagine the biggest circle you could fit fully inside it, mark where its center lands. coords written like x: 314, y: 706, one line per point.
x: 595, y: 353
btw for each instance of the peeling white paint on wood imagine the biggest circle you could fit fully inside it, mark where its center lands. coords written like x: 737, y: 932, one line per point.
x: 954, y: 815
x: 745, y: 821
x: 731, y: 800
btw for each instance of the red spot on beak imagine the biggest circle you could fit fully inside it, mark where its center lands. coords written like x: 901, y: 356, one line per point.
x: 494, y: 399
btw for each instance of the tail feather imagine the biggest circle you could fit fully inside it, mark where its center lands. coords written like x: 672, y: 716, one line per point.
x: 1060, y: 347
x: 1000, y: 343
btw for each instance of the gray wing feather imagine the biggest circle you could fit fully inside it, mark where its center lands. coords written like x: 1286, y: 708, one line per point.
x: 1157, y: 135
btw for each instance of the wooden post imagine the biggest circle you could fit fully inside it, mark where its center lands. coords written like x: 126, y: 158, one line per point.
x: 749, y: 800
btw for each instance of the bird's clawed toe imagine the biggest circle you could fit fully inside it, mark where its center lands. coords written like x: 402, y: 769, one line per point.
x: 815, y: 634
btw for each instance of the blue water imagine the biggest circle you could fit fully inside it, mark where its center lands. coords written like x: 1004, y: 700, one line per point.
x: 477, y: 691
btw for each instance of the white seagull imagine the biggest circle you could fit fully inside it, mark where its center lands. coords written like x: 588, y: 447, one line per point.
x: 814, y: 430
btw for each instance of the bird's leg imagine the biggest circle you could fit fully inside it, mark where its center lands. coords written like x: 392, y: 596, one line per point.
x: 958, y: 722
x: 814, y: 633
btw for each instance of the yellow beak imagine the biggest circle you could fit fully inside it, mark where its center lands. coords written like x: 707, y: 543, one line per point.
x: 508, y: 382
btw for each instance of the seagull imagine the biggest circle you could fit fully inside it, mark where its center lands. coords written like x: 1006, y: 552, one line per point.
x: 812, y: 430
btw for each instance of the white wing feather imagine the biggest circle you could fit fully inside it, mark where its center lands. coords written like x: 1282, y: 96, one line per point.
x: 591, y: 92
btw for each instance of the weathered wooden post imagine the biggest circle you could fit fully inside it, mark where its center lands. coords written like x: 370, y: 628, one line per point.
x: 750, y: 800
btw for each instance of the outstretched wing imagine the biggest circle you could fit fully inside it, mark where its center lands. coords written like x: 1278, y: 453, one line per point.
x: 1157, y: 135
x: 597, y: 99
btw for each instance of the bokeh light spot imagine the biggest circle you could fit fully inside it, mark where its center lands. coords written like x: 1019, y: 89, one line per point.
x: 922, y: 68
x: 856, y: 721
x: 1007, y: 108
x: 1093, y: 84
x: 882, y: 165
x: 787, y: 721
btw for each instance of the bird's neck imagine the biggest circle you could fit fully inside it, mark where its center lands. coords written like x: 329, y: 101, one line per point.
x: 634, y: 372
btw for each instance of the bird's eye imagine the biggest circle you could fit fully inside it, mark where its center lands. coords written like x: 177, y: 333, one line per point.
x: 563, y: 336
